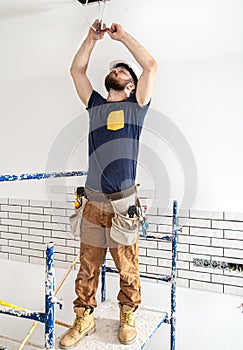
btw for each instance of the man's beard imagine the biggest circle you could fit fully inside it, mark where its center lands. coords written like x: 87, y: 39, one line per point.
x: 115, y: 83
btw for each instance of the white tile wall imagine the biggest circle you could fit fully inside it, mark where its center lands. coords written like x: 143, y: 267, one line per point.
x: 27, y: 225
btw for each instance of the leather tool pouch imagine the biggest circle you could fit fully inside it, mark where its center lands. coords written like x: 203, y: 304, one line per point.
x: 124, y: 229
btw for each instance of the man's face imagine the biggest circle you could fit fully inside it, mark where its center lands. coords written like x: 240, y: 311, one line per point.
x: 117, y: 79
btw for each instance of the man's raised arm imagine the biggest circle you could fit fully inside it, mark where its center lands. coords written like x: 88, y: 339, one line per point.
x: 80, y: 64
x: 143, y: 57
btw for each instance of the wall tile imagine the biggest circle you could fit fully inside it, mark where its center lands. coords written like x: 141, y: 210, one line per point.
x: 26, y: 226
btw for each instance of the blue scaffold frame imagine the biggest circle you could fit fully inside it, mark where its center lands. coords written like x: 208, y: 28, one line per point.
x: 48, y: 317
x: 41, y: 176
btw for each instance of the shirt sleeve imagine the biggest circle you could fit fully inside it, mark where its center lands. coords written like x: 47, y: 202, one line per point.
x: 95, y: 100
x: 132, y: 98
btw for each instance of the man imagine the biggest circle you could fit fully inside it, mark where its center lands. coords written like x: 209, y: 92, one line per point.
x: 115, y: 127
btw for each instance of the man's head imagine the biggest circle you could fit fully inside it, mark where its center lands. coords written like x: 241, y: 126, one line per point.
x: 121, y: 75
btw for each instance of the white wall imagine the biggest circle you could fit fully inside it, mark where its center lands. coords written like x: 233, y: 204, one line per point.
x: 198, y: 45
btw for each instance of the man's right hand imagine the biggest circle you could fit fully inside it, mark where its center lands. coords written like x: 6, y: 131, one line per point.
x: 95, y: 32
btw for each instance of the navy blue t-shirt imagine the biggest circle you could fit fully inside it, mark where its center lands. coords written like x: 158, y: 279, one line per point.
x: 114, y: 132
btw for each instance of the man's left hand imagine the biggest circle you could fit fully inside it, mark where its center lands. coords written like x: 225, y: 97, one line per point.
x: 116, y: 31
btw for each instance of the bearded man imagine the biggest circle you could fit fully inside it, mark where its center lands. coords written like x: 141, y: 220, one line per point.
x: 115, y: 125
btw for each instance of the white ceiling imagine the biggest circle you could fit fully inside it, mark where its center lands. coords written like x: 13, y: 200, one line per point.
x: 40, y: 37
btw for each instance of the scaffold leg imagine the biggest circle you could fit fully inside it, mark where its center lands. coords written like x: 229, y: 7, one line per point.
x: 173, y: 285
x: 49, y: 302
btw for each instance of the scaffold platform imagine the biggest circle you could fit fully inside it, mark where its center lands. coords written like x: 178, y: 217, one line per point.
x: 149, y: 319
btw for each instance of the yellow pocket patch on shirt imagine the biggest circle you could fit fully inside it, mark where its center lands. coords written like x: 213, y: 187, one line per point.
x: 115, y: 120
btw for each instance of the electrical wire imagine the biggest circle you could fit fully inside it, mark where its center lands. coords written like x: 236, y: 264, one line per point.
x: 101, y: 15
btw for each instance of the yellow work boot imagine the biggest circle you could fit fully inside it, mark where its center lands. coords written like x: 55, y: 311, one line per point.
x: 83, y: 325
x: 127, y: 331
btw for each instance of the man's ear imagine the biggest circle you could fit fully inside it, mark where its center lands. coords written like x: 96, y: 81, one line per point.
x: 131, y: 87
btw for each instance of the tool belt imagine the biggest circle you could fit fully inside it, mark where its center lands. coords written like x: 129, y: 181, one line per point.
x: 128, y: 213
x: 107, y: 197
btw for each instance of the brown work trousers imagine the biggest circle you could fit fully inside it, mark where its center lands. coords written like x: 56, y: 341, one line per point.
x: 95, y: 240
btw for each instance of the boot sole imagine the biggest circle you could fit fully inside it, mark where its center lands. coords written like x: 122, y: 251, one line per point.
x: 91, y: 331
x: 127, y: 342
